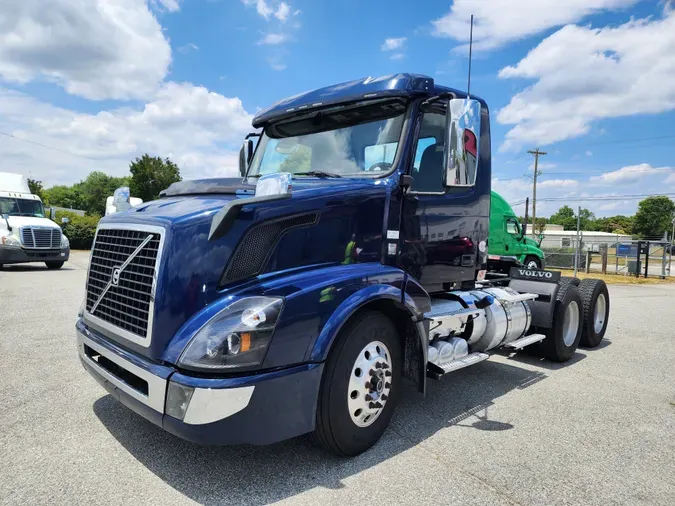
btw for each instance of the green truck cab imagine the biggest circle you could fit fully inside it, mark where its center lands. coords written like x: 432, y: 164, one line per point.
x: 507, y: 238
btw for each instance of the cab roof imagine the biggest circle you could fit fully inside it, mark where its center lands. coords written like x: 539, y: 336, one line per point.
x: 394, y: 85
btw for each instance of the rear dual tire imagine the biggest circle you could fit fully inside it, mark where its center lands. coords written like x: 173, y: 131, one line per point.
x: 562, y: 340
x: 595, y: 304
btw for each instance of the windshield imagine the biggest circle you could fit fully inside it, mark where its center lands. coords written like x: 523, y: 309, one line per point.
x: 357, y: 140
x: 21, y: 207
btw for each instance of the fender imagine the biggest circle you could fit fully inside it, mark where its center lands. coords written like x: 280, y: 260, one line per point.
x: 350, y: 306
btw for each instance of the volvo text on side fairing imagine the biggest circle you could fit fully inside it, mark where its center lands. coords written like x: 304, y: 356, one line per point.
x: 350, y: 253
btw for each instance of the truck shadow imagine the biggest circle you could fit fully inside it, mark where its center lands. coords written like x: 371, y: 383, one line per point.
x: 260, y: 475
x: 32, y: 267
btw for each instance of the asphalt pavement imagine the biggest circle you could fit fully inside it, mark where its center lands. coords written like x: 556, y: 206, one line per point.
x: 512, y: 430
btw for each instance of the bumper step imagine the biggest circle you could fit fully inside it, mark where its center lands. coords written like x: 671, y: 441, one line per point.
x: 519, y: 344
x: 438, y: 371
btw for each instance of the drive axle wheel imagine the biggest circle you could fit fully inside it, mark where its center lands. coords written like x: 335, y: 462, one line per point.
x: 360, y: 385
x: 595, y: 302
x: 563, y: 339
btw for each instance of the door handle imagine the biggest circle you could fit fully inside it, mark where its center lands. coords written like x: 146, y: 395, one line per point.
x: 506, y: 247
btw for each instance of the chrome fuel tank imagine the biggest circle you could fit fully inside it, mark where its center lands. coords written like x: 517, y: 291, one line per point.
x: 503, y: 321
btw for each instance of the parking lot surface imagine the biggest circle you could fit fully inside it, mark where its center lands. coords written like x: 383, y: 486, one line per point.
x: 511, y: 430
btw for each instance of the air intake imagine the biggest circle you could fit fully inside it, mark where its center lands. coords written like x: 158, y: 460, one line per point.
x: 254, y: 250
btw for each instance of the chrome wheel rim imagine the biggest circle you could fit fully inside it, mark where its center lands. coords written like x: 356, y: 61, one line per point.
x: 600, y: 313
x: 532, y: 265
x: 571, y: 323
x: 369, y: 384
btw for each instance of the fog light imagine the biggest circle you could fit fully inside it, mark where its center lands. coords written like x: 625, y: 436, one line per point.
x: 178, y: 399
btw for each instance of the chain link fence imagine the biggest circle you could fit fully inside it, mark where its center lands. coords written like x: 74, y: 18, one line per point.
x: 629, y: 258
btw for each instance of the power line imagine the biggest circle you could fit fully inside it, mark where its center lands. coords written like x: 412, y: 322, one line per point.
x: 631, y: 140
x: 598, y: 198
x: 11, y: 136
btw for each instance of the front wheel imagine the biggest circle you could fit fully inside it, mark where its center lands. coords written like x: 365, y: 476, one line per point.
x: 360, y: 385
x: 54, y: 265
x: 532, y: 262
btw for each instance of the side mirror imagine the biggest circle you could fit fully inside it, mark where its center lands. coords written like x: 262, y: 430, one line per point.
x: 5, y: 217
x: 65, y: 220
x: 245, y: 156
x: 463, y: 131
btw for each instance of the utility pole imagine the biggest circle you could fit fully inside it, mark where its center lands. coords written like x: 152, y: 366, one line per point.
x: 536, y: 154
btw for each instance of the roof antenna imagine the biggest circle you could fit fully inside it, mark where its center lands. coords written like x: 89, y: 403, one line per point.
x: 468, y: 87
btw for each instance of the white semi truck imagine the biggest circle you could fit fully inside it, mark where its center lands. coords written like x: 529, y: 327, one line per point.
x: 26, y: 234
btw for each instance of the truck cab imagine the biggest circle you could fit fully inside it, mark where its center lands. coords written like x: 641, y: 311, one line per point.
x: 350, y: 253
x: 507, y: 236
x: 26, y: 234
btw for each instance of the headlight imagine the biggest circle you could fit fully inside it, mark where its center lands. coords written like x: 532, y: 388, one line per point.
x: 8, y: 240
x: 236, y: 337
x: 65, y: 243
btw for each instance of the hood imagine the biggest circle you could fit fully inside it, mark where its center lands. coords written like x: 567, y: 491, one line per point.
x: 29, y: 221
x: 531, y: 243
x: 314, y: 227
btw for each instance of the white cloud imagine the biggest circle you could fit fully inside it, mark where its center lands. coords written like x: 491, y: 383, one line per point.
x: 629, y: 174
x: 281, y: 12
x: 168, y: 5
x: 273, y: 39
x: 397, y: 56
x: 670, y: 179
x: 277, y: 66
x: 98, y: 49
x: 393, y: 44
x: 190, y: 46
x: 200, y: 130
x: 498, y: 22
x: 558, y: 183
x: 584, y: 74
x: 589, y: 153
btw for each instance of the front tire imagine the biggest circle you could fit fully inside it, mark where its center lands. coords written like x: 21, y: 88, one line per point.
x: 532, y: 262
x: 595, y: 302
x: 54, y: 265
x: 563, y: 339
x: 360, y: 385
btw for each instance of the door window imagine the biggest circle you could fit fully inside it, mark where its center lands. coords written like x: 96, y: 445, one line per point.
x: 512, y: 227
x: 429, y: 154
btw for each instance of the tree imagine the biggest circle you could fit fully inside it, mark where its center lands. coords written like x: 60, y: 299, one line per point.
x: 654, y: 217
x: 298, y: 161
x: 69, y: 197
x: 587, y: 219
x: 540, y: 226
x: 36, y: 188
x: 150, y: 175
x: 96, y: 189
x: 565, y: 217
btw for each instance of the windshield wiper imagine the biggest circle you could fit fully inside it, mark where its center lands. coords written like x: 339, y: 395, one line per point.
x: 316, y: 173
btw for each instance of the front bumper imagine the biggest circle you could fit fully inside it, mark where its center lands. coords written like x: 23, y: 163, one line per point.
x: 15, y: 255
x: 256, y: 409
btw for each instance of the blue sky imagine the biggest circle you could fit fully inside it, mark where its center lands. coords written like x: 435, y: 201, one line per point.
x: 591, y: 82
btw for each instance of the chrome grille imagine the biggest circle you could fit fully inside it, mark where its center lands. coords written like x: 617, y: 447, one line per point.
x: 126, y: 305
x: 35, y: 237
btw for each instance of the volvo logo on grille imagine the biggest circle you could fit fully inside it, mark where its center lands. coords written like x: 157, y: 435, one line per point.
x: 115, y: 277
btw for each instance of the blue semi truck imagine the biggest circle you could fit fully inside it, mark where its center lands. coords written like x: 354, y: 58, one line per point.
x: 351, y: 253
